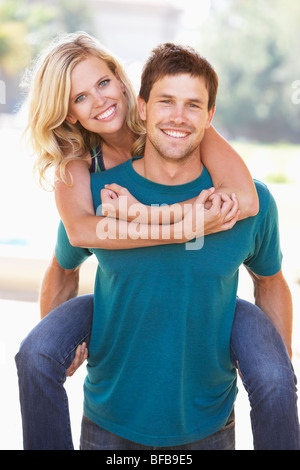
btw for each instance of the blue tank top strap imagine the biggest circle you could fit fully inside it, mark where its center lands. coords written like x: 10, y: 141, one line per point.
x: 97, y: 160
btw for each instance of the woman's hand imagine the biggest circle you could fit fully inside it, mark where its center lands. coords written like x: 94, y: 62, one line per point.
x: 211, y: 212
x: 80, y: 356
x: 223, y: 213
x: 118, y: 202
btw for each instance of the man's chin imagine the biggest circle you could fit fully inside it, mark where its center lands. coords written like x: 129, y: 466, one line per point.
x: 176, y: 157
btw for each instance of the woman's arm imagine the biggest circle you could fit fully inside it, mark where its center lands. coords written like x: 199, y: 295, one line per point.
x: 229, y: 172
x: 75, y: 207
x: 85, y: 229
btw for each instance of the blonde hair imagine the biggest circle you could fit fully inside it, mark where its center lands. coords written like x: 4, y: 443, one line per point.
x: 55, y: 141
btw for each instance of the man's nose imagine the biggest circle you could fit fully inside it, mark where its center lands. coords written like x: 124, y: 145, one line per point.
x: 178, y: 114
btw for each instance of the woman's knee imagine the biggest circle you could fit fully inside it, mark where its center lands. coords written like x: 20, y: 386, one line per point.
x: 254, y: 333
x: 56, y: 337
x: 257, y: 346
x: 33, y: 352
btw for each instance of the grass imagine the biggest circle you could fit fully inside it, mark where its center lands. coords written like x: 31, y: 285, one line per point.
x: 271, y: 163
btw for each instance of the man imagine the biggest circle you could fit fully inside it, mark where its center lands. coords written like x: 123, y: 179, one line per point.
x: 159, y: 368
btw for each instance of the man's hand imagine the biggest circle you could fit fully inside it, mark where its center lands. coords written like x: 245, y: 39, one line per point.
x: 80, y: 356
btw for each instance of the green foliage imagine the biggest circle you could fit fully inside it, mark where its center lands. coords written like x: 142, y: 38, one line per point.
x: 26, y: 27
x: 254, y: 48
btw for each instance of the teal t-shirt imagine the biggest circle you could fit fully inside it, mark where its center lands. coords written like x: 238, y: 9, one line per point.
x: 159, y: 371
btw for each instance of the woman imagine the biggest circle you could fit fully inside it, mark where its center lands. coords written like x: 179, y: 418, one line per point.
x: 81, y: 99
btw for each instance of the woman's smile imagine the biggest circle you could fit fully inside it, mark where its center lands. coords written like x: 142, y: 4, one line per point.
x: 107, y: 114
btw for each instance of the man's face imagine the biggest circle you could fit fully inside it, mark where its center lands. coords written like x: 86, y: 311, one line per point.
x: 176, y: 116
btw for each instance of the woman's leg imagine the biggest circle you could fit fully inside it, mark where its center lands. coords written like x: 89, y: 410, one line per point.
x: 268, y: 376
x: 42, y: 361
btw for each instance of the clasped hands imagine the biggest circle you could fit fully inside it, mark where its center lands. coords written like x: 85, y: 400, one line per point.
x: 220, y: 211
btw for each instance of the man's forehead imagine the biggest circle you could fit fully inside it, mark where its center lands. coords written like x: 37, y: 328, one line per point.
x: 181, y: 85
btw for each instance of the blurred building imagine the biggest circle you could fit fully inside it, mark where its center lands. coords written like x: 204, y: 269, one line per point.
x: 131, y: 28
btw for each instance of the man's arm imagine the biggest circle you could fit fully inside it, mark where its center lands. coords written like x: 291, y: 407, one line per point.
x: 58, y: 285
x: 273, y: 296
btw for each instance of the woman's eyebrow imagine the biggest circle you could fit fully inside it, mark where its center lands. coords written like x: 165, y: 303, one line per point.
x: 85, y: 91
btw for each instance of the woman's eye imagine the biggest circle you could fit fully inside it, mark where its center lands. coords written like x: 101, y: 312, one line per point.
x: 104, y: 83
x: 79, y: 99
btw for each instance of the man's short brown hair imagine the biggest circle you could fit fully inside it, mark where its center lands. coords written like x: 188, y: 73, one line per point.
x: 170, y: 59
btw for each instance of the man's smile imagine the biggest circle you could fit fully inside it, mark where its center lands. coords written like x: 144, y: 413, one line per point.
x: 175, y: 133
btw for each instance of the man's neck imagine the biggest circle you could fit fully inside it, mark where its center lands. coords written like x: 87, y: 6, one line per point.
x: 168, y: 172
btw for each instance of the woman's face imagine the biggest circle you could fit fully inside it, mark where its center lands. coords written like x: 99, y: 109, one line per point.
x: 97, y: 98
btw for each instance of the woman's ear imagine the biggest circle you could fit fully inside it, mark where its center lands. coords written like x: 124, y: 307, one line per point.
x: 142, y: 106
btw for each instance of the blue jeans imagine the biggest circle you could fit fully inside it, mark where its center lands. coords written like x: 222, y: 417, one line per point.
x: 95, y: 438
x: 256, y: 347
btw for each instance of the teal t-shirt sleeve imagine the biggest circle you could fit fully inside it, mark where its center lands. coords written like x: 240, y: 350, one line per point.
x: 267, y: 256
x: 68, y: 256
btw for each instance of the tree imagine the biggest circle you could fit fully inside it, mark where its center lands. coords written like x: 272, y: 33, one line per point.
x: 27, y: 27
x: 253, y: 46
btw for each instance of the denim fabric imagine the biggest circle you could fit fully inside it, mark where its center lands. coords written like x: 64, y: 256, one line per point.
x: 268, y: 377
x: 50, y: 347
x: 93, y: 437
x: 42, y: 361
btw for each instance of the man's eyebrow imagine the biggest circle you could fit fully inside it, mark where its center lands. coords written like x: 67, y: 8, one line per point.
x: 165, y: 95
x: 190, y: 100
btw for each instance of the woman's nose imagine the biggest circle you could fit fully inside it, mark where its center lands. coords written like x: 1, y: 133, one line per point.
x: 99, y: 98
